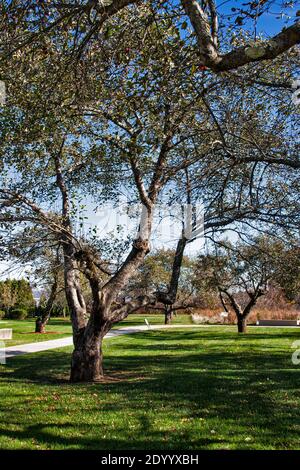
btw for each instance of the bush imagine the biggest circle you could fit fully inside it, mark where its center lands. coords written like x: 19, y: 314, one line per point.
x: 18, y: 314
x: 30, y: 310
x: 2, y: 314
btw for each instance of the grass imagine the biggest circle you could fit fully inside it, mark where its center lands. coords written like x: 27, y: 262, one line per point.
x: 60, y: 327
x: 181, y: 389
x: 23, y: 330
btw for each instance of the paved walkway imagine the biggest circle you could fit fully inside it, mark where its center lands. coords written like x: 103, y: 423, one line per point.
x: 12, y: 351
x: 28, y: 348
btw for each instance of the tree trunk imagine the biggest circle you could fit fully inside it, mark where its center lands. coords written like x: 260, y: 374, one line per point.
x: 87, y: 359
x: 75, y: 299
x: 42, y: 321
x: 168, y: 315
x: 40, y: 325
x: 242, y: 324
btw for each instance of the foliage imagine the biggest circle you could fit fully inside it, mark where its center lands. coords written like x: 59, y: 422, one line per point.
x: 16, y: 293
x: 288, y: 272
x: 2, y: 314
x: 155, y: 274
x: 242, y: 273
x: 18, y: 314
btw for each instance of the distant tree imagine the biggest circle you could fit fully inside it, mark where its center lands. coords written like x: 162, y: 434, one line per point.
x: 241, y: 271
x: 16, y: 293
x: 38, y: 252
x: 52, y: 272
x: 155, y: 275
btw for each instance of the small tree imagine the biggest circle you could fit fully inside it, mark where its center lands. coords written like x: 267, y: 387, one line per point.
x: 155, y: 275
x: 288, y: 271
x: 241, y: 273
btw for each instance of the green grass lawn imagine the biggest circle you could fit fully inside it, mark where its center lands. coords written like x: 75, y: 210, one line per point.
x: 23, y: 330
x: 181, y: 389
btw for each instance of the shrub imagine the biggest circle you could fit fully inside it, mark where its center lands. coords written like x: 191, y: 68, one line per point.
x: 18, y: 314
x: 30, y: 311
x: 2, y: 314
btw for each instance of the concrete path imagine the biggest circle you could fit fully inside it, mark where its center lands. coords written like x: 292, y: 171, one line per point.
x: 28, y: 348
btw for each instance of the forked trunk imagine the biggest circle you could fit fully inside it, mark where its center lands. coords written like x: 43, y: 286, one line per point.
x: 242, y: 324
x: 87, y: 359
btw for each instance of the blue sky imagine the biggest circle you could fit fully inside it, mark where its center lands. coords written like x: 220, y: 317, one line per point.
x: 268, y: 23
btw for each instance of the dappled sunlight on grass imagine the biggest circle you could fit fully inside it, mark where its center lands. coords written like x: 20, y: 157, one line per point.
x: 206, y: 388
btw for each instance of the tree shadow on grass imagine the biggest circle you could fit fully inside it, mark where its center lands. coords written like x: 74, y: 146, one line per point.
x: 41, y: 434
x: 42, y: 367
x: 242, y: 389
x: 212, y: 395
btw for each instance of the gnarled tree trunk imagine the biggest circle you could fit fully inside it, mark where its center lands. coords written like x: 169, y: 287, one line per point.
x: 87, y: 358
x: 242, y: 324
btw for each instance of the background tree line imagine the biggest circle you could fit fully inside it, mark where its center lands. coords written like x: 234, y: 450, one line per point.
x: 16, y: 298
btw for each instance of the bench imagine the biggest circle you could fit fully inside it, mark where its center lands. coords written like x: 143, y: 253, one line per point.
x: 278, y: 322
x: 5, y: 333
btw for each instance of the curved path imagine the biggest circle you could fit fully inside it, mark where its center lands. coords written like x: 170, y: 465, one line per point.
x: 12, y: 351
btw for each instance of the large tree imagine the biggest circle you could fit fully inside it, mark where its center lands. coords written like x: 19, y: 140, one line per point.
x: 132, y: 124
x: 131, y: 118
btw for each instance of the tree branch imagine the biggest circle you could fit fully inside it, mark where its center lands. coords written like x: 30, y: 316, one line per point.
x: 205, y: 29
